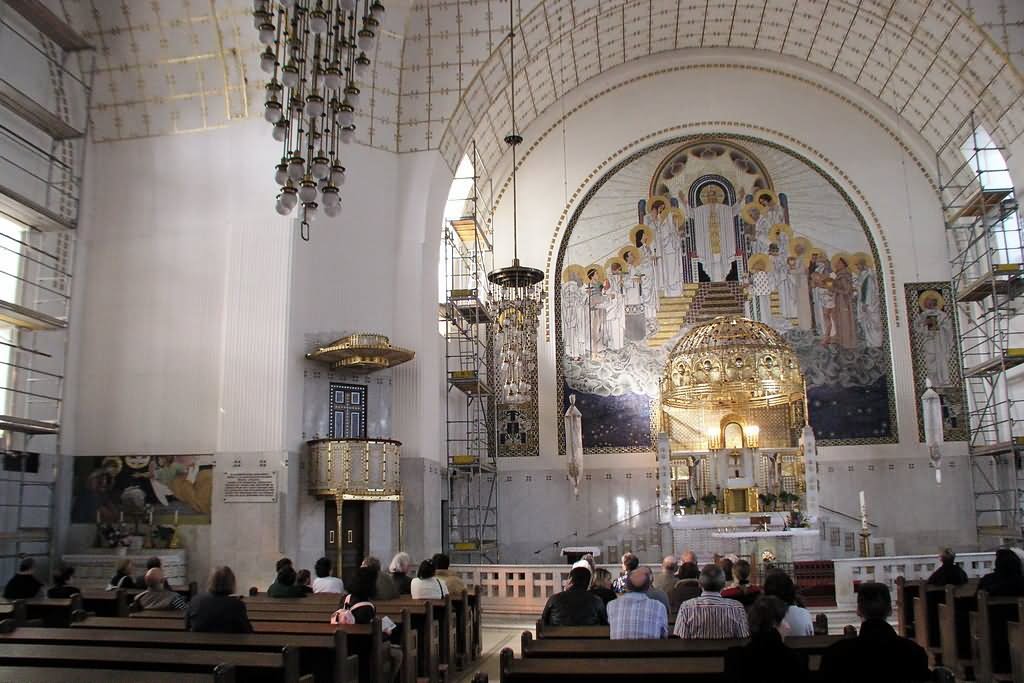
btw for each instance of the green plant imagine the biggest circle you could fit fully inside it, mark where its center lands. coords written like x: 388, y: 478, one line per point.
x: 710, y: 500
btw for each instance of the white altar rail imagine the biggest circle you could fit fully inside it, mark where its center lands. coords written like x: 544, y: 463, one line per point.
x: 887, y: 569
x: 517, y: 588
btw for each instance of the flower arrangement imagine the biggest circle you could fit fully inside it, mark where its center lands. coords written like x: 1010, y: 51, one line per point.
x: 767, y: 556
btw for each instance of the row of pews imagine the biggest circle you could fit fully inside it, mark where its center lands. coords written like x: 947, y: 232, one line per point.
x: 977, y: 636
x: 293, y: 642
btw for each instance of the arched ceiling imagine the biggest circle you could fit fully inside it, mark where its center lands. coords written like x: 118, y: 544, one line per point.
x: 926, y: 59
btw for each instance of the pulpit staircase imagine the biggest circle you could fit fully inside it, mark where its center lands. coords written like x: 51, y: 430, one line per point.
x: 699, y: 303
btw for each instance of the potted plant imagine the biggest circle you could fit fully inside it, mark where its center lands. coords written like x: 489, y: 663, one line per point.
x: 767, y: 500
x: 686, y: 503
x: 710, y: 501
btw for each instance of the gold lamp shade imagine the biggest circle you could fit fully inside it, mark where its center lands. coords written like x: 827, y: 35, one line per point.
x: 362, y: 352
x: 733, y: 363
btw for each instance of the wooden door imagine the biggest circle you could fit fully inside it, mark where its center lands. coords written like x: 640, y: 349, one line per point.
x: 353, y: 538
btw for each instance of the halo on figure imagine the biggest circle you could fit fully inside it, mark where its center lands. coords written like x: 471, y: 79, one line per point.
x: 804, y: 244
x: 609, y: 265
x: 658, y: 199
x: 598, y: 273
x: 640, y: 228
x: 861, y: 256
x: 679, y: 215
x: 780, y: 228
x: 112, y: 464
x: 750, y: 212
x: 759, y: 263
x: 773, y: 199
x: 574, y: 269
x: 847, y: 259
x: 635, y: 255
x: 931, y: 294
x: 705, y: 191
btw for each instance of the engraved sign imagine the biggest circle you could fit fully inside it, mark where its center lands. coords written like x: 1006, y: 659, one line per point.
x: 250, y: 487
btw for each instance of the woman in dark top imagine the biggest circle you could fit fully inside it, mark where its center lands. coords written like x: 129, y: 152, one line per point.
x: 399, y: 571
x: 61, y: 589
x: 601, y: 585
x: 765, y: 653
x: 1007, y: 580
x: 217, y: 610
x: 285, y: 586
x: 364, y: 589
x: 123, y: 576
x: 687, y: 586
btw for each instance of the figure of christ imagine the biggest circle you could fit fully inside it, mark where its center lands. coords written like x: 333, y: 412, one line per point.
x: 869, y: 301
x: 635, y: 281
x: 614, y: 305
x: 714, y: 234
x: 934, y: 327
x: 669, y: 263
x: 843, y: 294
x: 596, y: 311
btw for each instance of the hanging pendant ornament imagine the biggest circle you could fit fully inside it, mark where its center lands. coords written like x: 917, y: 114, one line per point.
x: 315, y: 55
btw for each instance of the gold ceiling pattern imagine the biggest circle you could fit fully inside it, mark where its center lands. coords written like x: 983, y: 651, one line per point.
x: 439, y: 78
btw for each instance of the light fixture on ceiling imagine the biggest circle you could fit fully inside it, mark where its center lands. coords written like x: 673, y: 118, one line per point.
x: 315, y: 53
x: 519, y: 295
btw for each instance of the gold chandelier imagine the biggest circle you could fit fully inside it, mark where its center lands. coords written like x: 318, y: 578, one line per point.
x: 731, y: 363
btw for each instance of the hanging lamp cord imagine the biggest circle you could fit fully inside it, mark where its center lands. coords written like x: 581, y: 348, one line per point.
x: 513, y: 139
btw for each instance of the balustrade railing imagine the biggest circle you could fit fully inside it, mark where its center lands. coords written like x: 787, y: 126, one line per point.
x: 886, y: 569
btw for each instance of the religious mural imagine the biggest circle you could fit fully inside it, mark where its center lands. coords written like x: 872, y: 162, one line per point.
x: 935, y: 353
x: 104, y: 488
x: 706, y: 226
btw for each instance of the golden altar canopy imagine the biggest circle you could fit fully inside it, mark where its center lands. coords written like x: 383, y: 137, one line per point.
x: 731, y: 363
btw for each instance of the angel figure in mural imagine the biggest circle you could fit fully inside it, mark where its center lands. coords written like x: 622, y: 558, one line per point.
x: 869, y: 299
x: 574, y: 312
x: 768, y: 210
x: 669, y: 264
x: 934, y: 328
x: 714, y: 233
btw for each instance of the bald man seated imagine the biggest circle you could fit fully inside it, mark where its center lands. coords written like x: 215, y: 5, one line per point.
x: 156, y: 595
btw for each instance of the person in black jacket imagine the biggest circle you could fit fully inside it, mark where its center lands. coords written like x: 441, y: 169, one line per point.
x: 217, y: 610
x: 60, y: 588
x: 575, y: 606
x: 765, y: 655
x: 24, y: 584
x: 601, y: 585
x: 948, y: 573
x: 1007, y: 579
x: 878, y: 654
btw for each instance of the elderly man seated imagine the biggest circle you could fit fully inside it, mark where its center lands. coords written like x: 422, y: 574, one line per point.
x: 711, y: 615
x: 576, y: 605
x: 156, y: 595
x: 634, y: 615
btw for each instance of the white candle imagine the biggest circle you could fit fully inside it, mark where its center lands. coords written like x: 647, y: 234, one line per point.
x: 175, y: 518
x: 122, y: 516
x: 863, y: 512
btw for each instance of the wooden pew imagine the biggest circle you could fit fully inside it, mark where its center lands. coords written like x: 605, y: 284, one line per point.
x: 926, y: 621
x: 16, y: 612
x: 54, y: 611
x: 473, y: 599
x: 672, y: 647
x: 906, y: 591
x: 1015, y: 634
x: 575, y: 632
x: 105, y: 603
x: 990, y: 647
x: 955, y: 628
x: 326, y: 656
x: 249, y: 666
x: 47, y: 674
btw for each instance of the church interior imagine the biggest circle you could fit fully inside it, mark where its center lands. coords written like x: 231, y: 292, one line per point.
x: 767, y: 312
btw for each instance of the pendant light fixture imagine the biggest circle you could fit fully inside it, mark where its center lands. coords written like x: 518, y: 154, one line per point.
x: 519, y: 294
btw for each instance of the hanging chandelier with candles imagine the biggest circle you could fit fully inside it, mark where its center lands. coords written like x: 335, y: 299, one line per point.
x: 316, y: 52
x: 519, y: 295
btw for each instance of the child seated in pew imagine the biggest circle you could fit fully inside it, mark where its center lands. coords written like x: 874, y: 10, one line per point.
x: 359, y: 602
x: 60, y: 588
x: 765, y: 653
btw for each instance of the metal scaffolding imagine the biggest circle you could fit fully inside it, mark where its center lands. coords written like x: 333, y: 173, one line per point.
x: 42, y: 145
x: 472, y: 524
x: 984, y: 239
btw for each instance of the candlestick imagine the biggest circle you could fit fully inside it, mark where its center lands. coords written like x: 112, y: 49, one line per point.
x: 863, y: 512
x: 175, y: 518
x: 122, y: 517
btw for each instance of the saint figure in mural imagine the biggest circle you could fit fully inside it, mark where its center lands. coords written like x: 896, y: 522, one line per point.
x: 770, y: 213
x: 642, y: 238
x: 869, y: 302
x: 821, y: 295
x: 784, y: 266
x: 614, y: 305
x: 798, y: 249
x: 844, y: 329
x: 715, y: 235
x: 574, y: 315
x: 636, y: 279
x: 596, y: 311
x: 934, y: 327
x: 669, y: 264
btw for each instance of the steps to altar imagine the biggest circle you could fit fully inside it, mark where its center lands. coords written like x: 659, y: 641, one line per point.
x: 698, y: 303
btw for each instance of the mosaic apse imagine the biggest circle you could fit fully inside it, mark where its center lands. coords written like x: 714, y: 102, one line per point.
x: 710, y: 225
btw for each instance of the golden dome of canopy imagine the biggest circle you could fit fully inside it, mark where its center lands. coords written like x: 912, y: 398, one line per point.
x: 731, y: 362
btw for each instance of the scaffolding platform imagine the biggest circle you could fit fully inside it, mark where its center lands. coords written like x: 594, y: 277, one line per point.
x: 980, y: 203
x: 467, y: 303
x: 28, y: 319
x: 1003, y: 280
x: 1011, y: 358
x: 469, y: 383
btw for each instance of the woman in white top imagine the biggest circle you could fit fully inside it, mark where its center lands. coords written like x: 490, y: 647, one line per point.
x: 798, y: 621
x: 426, y: 586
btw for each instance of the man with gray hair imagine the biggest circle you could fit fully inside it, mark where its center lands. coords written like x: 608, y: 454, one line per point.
x: 156, y: 595
x: 711, y: 615
x: 949, y: 572
x: 633, y: 615
x: 666, y: 580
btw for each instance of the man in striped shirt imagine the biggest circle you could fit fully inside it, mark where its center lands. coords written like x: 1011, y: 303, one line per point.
x: 711, y: 615
x: 633, y: 615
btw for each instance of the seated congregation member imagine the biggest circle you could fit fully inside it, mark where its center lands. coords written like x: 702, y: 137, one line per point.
x: 122, y: 576
x: 878, y: 654
x: 324, y: 582
x: 359, y: 602
x: 797, y: 621
x: 601, y: 585
x: 426, y: 585
x: 157, y: 596
x: 689, y: 556
x: 285, y: 586
x: 711, y: 615
x: 24, y: 584
x: 217, y: 610
x: 948, y: 573
x: 687, y: 586
x: 385, y: 586
x: 281, y: 564
x: 1007, y: 578
x: 655, y: 593
x: 765, y: 653
x: 304, y: 581
x: 61, y: 586
x: 633, y: 615
x: 398, y: 570
x: 743, y: 591
x: 576, y: 605
x: 155, y: 563
x: 666, y: 578
x: 451, y: 580
x: 629, y: 563
x: 727, y: 565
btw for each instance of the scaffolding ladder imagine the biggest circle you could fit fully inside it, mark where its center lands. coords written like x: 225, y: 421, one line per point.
x: 984, y: 239
x: 472, y: 524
